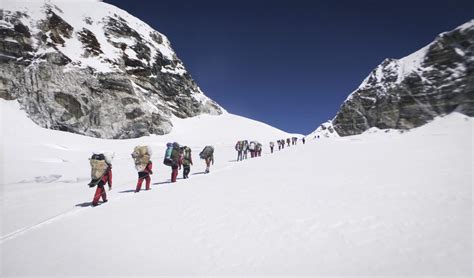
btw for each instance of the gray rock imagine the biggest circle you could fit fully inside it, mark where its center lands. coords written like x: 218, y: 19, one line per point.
x: 410, y: 92
x: 137, y: 93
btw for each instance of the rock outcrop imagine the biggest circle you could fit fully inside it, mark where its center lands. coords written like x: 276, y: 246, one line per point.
x: 93, y: 69
x: 409, y: 92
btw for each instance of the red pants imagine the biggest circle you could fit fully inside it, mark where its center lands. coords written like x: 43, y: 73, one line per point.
x: 174, y: 174
x: 140, y: 181
x: 99, y: 192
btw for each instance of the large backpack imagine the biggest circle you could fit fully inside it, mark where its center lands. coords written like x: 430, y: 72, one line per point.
x: 252, y: 146
x: 141, y: 156
x: 187, y: 153
x: 207, y: 152
x: 98, y: 168
x: 167, y: 160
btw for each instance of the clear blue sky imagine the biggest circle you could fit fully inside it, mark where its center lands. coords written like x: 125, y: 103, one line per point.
x: 291, y: 64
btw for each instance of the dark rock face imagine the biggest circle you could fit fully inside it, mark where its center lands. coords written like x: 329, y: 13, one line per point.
x: 407, y: 93
x: 108, y: 76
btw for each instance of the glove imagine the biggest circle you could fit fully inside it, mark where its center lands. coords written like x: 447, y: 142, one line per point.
x: 110, y: 187
x: 151, y: 172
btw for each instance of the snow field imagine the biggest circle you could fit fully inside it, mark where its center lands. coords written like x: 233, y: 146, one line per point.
x: 376, y: 204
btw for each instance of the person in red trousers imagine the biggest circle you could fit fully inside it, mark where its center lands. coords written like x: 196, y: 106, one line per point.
x: 176, y: 158
x: 100, y: 191
x: 144, y: 175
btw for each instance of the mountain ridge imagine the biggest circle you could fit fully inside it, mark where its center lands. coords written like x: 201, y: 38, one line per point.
x: 94, y: 70
x: 411, y: 91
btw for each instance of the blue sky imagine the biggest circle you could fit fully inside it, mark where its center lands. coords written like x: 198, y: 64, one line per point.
x: 291, y: 64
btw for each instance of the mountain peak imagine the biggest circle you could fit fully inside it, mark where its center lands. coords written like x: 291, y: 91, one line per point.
x: 408, y: 92
x: 94, y: 69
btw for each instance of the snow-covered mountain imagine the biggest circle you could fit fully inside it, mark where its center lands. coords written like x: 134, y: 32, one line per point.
x: 409, y: 92
x: 88, y: 67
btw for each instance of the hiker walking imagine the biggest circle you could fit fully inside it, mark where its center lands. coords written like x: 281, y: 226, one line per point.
x: 239, y: 149
x: 208, y: 155
x: 101, y: 174
x: 252, y: 148
x: 258, y: 149
x: 145, y: 175
x: 245, y: 148
x: 304, y: 140
x: 172, y: 159
x: 100, y: 191
x: 175, y: 157
x: 272, y: 144
x: 288, y: 141
x: 187, y: 161
x: 141, y: 157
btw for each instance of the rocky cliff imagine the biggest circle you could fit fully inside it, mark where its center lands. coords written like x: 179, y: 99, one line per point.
x: 409, y: 92
x: 93, y: 69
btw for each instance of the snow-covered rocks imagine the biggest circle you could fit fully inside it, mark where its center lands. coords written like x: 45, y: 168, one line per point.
x: 325, y: 130
x: 406, y: 93
x: 93, y: 69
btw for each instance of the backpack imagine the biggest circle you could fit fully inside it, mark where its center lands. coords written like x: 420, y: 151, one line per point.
x: 98, y: 168
x: 245, y: 146
x: 141, y: 156
x: 208, y: 151
x: 167, y: 160
x: 252, y: 146
x: 238, y: 146
x: 187, y: 153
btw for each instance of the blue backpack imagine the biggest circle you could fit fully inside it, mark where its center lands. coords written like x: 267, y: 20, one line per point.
x: 169, y: 149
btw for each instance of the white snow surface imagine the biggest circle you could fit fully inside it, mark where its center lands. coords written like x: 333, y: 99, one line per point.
x: 376, y: 204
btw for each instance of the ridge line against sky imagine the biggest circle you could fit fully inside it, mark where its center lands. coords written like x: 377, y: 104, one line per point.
x: 292, y: 64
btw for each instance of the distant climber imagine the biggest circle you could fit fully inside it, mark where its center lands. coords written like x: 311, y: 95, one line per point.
x: 272, y: 144
x: 239, y: 148
x: 258, y: 149
x: 252, y: 148
x: 208, y: 155
x: 187, y: 161
x: 245, y: 149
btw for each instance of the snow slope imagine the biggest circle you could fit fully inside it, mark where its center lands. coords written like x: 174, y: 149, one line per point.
x: 376, y: 204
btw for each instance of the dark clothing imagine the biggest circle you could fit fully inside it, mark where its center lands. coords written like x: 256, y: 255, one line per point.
x: 186, y: 170
x: 142, y: 175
